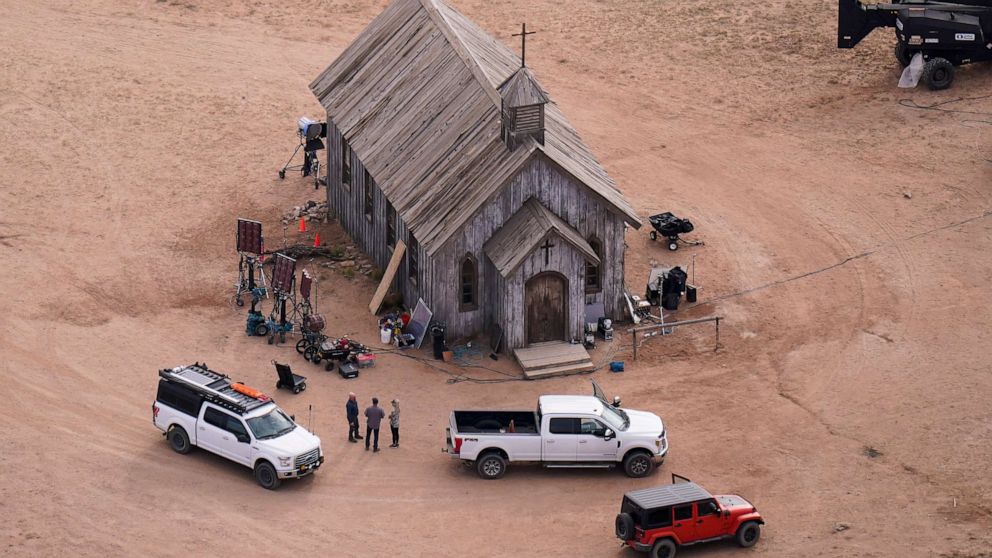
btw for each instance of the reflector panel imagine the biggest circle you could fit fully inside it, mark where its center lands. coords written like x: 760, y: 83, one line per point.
x: 282, y: 275
x: 249, y: 236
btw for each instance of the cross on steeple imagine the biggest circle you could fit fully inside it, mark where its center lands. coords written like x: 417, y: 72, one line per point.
x: 547, y: 246
x: 523, y: 43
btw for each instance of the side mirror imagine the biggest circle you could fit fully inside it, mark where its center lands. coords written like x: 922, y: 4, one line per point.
x: 243, y: 438
x: 609, y: 434
x: 616, y: 401
x: 292, y: 418
x: 726, y: 513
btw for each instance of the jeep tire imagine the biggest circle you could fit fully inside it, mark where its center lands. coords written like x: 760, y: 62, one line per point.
x: 663, y: 548
x: 266, y: 476
x: 637, y: 464
x: 179, y: 440
x: 625, y: 526
x: 748, y: 534
x: 491, y: 466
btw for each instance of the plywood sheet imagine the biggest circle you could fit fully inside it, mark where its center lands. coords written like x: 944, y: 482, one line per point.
x: 387, y: 277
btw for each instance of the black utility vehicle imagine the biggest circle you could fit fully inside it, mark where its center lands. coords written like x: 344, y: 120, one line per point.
x: 947, y: 33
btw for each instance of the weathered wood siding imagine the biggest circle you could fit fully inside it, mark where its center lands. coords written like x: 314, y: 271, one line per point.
x: 503, y: 303
x: 564, y: 259
x: 368, y: 234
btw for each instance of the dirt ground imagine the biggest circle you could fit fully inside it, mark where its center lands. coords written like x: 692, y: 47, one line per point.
x: 849, y: 399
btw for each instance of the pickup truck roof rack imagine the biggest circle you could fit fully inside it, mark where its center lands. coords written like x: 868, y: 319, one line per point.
x: 213, y: 387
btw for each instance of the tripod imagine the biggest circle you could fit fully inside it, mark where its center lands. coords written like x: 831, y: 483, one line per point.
x: 246, y: 280
x: 311, y: 163
x: 278, y: 321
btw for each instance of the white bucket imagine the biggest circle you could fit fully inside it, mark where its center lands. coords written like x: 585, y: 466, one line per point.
x: 386, y: 335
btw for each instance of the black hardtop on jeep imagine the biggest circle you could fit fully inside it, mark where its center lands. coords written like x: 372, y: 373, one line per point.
x: 667, y: 495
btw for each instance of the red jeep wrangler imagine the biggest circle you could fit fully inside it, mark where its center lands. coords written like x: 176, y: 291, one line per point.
x: 663, y: 518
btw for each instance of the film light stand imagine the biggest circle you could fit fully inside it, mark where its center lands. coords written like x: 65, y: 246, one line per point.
x: 249, y: 245
x: 247, y: 267
x: 309, y: 133
x: 277, y: 318
x: 283, y: 286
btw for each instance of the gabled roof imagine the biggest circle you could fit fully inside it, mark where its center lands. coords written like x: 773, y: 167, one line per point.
x: 415, y: 95
x: 527, y: 229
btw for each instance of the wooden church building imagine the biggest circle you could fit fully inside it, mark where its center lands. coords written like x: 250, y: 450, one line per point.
x: 438, y: 136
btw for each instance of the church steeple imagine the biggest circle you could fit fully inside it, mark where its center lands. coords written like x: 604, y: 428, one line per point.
x: 522, y: 101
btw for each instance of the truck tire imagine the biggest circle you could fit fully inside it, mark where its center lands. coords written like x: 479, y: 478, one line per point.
x: 491, y: 466
x: 637, y: 464
x: 179, y: 440
x: 625, y: 526
x: 664, y: 548
x: 938, y: 73
x: 266, y: 476
x: 748, y: 534
x: 903, y: 54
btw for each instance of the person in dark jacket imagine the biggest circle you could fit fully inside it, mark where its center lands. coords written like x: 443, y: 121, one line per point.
x: 351, y: 407
x: 373, y: 418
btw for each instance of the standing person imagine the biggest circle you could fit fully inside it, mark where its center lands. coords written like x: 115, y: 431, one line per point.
x: 373, y: 418
x: 394, y: 423
x: 351, y: 407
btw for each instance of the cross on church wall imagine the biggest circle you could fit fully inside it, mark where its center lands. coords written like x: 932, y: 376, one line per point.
x: 547, y: 246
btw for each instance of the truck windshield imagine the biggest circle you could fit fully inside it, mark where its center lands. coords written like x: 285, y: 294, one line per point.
x: 617, y: 418
x: 271, y: 425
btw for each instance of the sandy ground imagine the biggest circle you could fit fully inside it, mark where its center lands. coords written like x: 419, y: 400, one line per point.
x: 134, y: 132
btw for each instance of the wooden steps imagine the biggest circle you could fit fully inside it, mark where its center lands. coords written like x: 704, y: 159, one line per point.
x: 552, y: 359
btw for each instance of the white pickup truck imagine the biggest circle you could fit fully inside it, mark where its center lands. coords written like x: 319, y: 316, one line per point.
x: 196, y: 406
x: 565, y: 431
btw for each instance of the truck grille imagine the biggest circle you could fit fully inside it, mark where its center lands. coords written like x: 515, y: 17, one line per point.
x: 307, y: 458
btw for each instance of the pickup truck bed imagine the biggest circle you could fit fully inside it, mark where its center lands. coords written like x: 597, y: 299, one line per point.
x: 496, y: 422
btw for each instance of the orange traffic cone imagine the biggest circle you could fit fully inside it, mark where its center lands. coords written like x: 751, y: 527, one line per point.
x: 316, y: 241
x: 303, y: 225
